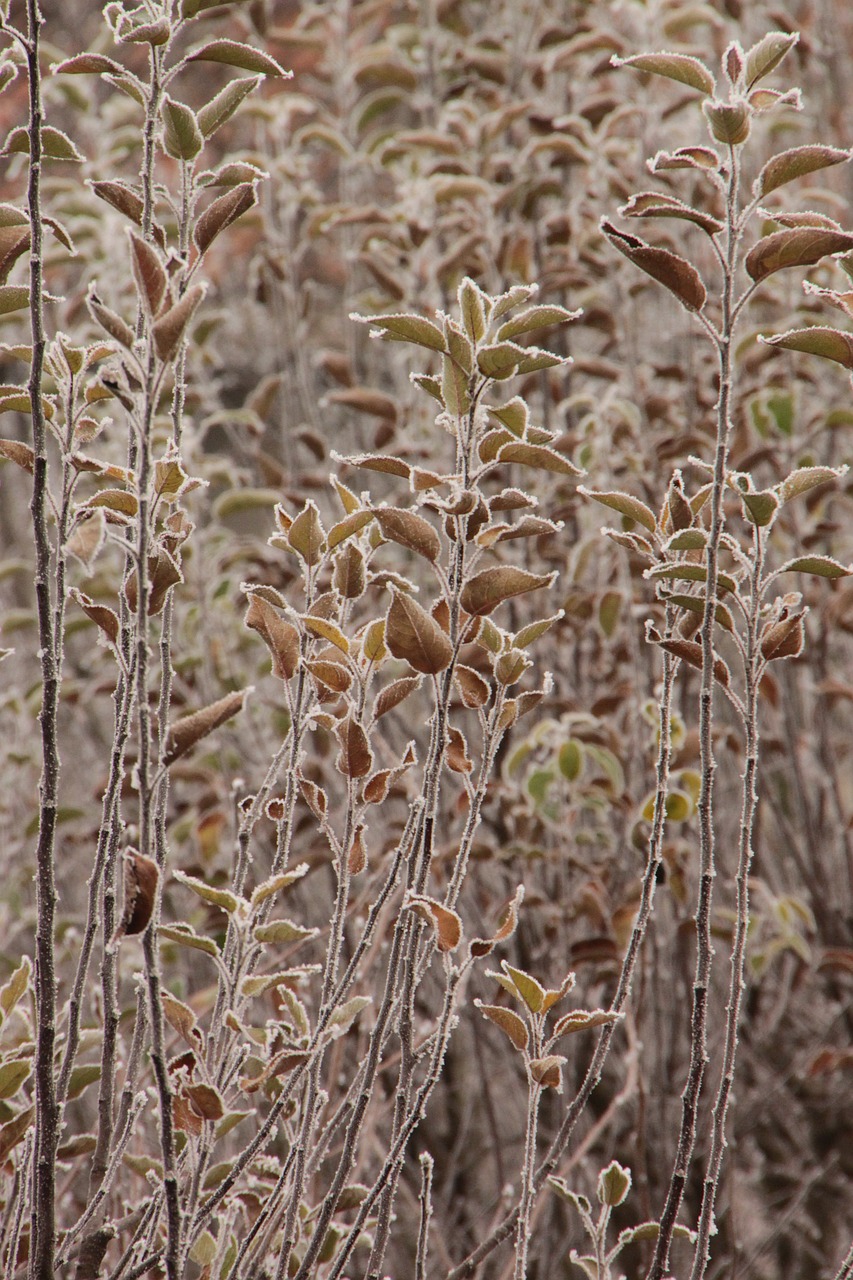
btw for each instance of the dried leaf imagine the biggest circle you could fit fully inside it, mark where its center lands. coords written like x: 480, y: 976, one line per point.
x: 675, y: 66
x: 355, y: 759
x: 185, y: 732
x: 447, y: 924
x: 220, y: 214
x: 280, y: 637
x: 669, y: 269
x: 414, y: 635
x: 797, y: 247
x: 486, y: 590
x: 509, y: 1023
x: 409, y: 530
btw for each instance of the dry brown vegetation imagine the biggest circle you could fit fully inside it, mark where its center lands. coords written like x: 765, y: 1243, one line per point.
x: 404, y: 875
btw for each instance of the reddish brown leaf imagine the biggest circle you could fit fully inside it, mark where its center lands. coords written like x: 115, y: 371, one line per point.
x: 190, y: 729
x: 447, y: 924
x: 412, y: 634
x: 141, y: 878
x: 280, y: 637
x: 486, y: 590
x: 393, y: 694
x: 355, y: 759
x: 798, y: 247
x: 409, y: 530
x: 669, y: 269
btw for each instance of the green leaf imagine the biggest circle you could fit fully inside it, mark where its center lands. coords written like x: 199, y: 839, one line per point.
x: 222, y: 107
x: 537, y: 317
x: 216, y: 897
x: 766, y: 55
x: 186, y: 936
x: 234, y: 54
x: 821, y: 566
x: 283, y: 931
x: 182, y: 138
x: 345, y: 1014
x: 796, y: 163
x: 405, y: 328
x: 625, y: 503
x: 675, y: 66
x: 529, y: 990
x: 82, y: 1077
x: 56, y: 145
x: 15, y: 988
x: 276, y: 883
x: 13, y: 1074
x: 819, y: 340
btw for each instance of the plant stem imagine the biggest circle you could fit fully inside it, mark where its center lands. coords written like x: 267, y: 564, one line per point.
x: 43, y: 1208
x: 752, y: 671
x: 707, y: 765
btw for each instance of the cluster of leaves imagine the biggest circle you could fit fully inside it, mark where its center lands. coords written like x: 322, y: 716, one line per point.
x: 424, y: 734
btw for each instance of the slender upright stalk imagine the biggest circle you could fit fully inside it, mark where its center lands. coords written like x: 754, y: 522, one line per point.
x: 752, y: 662
x: 43, y: 1224
x: 707, y: 765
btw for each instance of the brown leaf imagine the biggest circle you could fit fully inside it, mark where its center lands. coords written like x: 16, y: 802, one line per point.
x: 181, y: 1017
x: 483, y: 946
x: 412, y: 634
x: 486, y: 590
x: 669, y: 269
x: 222, y: 212
x: 190, y: 729
x: 798, y: 247
x: 350, y: 577
x: 205, y: 1100
x: 547, y: 1071
x: 447, y: 924
x: 18, y: 452
x: 690, y: 651
x: 357, y: 856
x: 509, y: 1022
x: 473, y: 689
x: 784, y: 638
x: 105, y: 618
x: 306, y: 534
x: 457, y: 752
x: 280, y: 637
x: 169, y: 330
x: 333, y: 675
x: 363, y: 400
x: 148, y: 273
x: 393, y: 694
x: 141, y: 878
x: 409, y: 530
x: 355, y: 759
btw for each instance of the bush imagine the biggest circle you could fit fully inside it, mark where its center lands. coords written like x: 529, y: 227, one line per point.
x: 406, y: 846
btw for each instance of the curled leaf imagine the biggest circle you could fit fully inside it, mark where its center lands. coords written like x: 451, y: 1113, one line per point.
x: 447, y: 924
x: 669, y: 269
